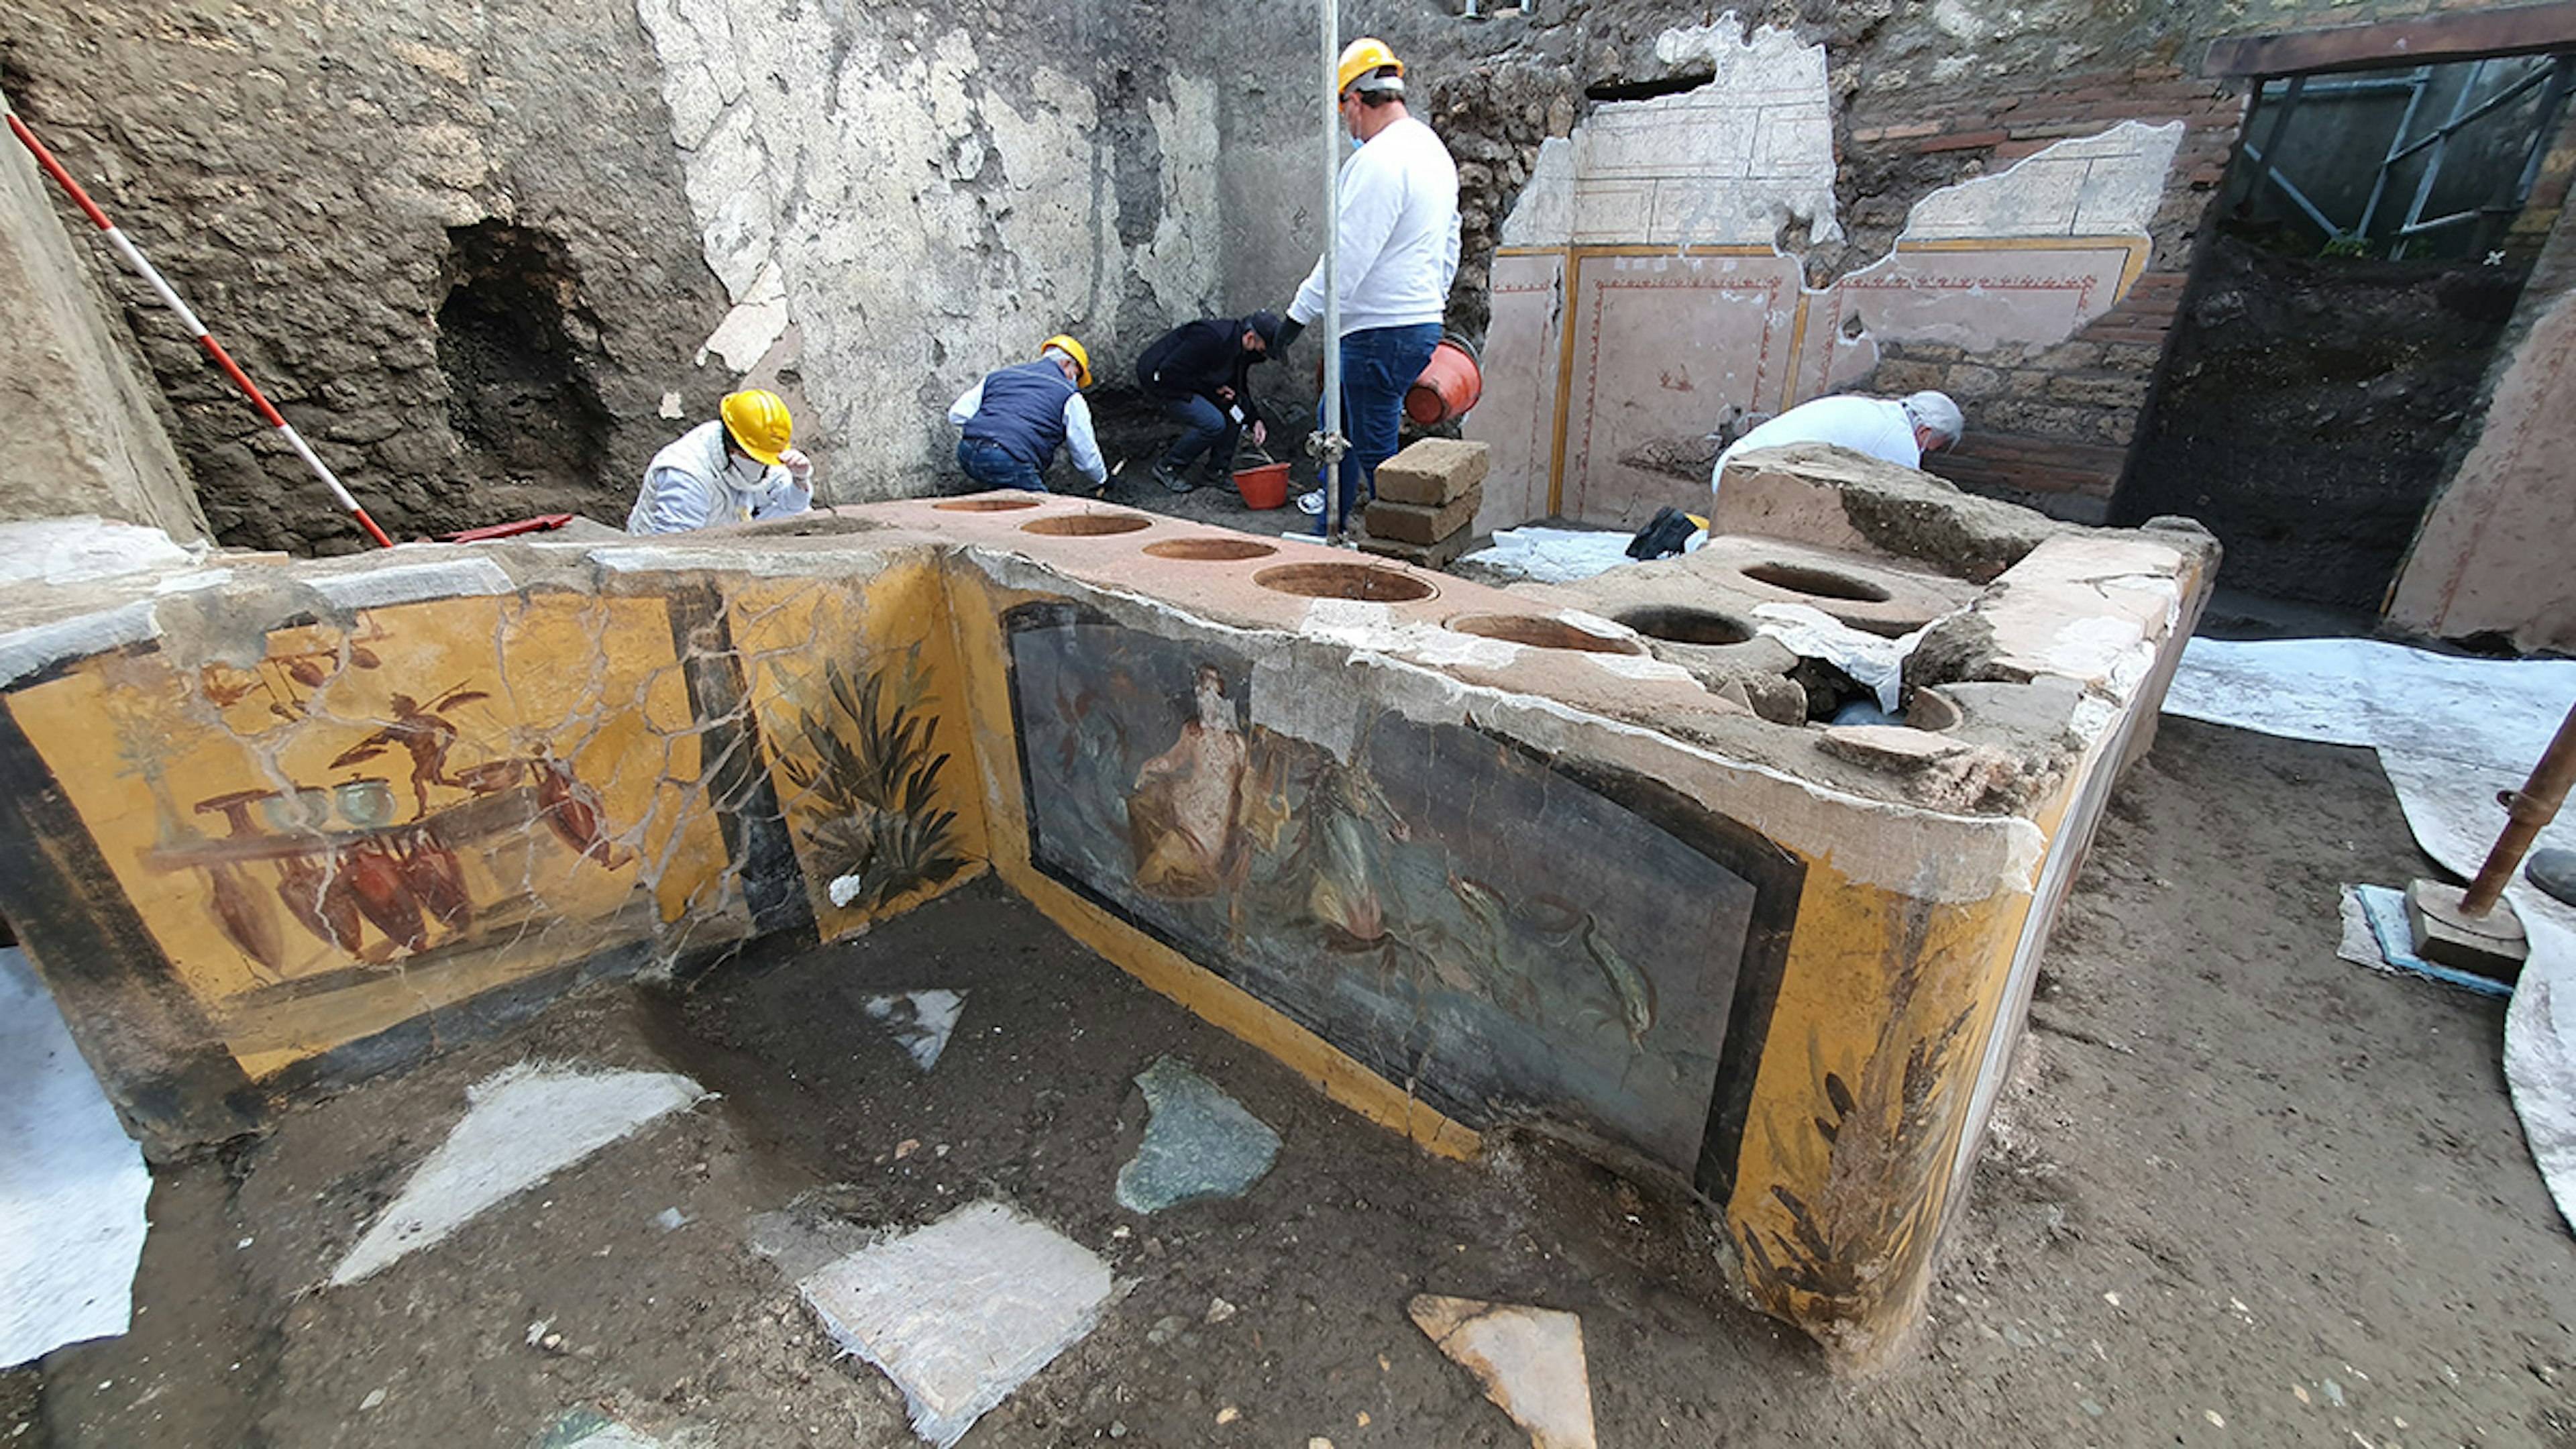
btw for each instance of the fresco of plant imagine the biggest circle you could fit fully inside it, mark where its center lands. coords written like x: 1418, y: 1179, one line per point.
x: 860, y: 756
x: 1887, y: 1134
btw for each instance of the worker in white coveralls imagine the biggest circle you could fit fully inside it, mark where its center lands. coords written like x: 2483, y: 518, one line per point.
x: 1398, y: 238
x: 1011, y: 423
x: 732, y: 469
x: 1896, y: 430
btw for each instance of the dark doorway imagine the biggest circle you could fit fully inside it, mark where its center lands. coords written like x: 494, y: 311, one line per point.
x: 2342, y: 319
x: 521, y: 399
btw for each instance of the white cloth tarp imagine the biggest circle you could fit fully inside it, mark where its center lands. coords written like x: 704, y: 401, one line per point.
x: 2451, y: 733
x: 1552, y: 555
x: 72, y: 1184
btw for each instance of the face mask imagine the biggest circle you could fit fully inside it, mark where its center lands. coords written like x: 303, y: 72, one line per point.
x: 745, y: 472
x: 1356, y: 143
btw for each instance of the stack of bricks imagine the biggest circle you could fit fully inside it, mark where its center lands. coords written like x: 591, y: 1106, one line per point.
x: 1427, y: 497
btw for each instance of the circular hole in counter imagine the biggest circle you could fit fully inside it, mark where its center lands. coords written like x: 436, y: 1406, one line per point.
x: 1816, y: 583
x: 1086, y: 525
x: 1540, y: 632
x: 984, y: 505
x: 1211, y: 550
x: 1344, y: 581
x: 1932, y: 711
x: 1677, y: 625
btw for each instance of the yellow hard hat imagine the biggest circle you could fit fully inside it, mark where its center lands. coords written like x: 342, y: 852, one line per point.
x: 1364, y: 56
x: 759, y: 423
x: 1072, y: 349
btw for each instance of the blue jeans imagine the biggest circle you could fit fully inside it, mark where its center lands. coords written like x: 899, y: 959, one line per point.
x: 992, y: 465
x: 1205, y: 428
x: 1378, y: 365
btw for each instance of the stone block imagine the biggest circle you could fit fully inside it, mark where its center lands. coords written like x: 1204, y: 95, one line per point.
x: 1418, y: 523
x: 1432, y: 472
x: 1430, y: 556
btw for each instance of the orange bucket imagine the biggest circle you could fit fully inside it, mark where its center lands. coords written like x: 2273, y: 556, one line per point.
x: 1447, y: 388
x: 1264, y: 485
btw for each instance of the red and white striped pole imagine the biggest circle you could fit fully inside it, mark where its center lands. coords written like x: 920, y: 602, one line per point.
x: 196, y: 329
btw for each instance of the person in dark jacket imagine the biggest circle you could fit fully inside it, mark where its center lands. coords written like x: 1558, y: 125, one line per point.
x: 1199, y: 373
x: 1012, y: 422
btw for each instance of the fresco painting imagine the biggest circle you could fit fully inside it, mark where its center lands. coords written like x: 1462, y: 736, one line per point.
x: 1448, y: 909
x: 854, y: 685
x: 399, y: 814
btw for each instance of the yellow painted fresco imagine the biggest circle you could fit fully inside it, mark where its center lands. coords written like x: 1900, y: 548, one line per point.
x: 977, y: 606
x: 445, y: 797
x: 1860, y: 1100
x: 864, y: 671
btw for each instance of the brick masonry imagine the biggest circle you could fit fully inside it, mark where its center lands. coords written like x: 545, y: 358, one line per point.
x: 2052, y: 425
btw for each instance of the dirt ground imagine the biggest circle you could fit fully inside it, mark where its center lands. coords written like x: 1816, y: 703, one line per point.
x: 2239, y: 1192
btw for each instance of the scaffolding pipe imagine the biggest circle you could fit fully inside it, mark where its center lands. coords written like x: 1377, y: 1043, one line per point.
x: 134, y: 259
x: 1328, y: 448
x: 2441, y: 142
x: 2405, y: 123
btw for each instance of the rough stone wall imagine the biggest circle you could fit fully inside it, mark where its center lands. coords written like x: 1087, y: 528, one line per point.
x: 84, y: 433
x: 475, y: 251
x: 322, y: 182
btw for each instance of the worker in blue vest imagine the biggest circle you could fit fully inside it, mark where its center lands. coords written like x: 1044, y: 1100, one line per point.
x: 1015, y: 419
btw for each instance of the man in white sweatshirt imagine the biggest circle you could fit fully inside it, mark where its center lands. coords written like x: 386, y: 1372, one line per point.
x: 1398, y: 235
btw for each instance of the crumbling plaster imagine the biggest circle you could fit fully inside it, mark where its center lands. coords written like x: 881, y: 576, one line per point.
x: 934, y: 203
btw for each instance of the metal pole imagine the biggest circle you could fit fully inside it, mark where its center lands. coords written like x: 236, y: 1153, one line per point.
x: 2433, y: 161
x: 2396, y: 143
x: 2272, y: 139
x: 2527, y: 810
x: 1330, y: 445
x: 197, y: 330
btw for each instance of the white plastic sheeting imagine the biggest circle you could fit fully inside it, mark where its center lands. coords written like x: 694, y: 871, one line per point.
x: 525, y: 1124
x: 1552, y: 555
x: 2451, y: 733
x: 963, y: 1311
x: 919, y: 1021
x: 77, y: 550
x: 72, y: 1185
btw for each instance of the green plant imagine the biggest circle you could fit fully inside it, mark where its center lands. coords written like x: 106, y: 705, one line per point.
x: 864, y: 761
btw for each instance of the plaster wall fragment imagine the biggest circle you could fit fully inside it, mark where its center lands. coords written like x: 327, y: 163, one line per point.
x: 929, y: 216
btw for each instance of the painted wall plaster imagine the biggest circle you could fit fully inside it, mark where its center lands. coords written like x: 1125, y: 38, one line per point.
x: 1728, y: 163
x: 1641, y: 301
x: 931, y: 210
x: 1786, y: 978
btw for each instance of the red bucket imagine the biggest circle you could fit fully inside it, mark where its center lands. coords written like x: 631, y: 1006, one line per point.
x: 1264, y: 485
x: 1449, y: 385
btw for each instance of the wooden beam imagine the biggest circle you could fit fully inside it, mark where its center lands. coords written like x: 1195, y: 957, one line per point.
x: 2519, y: 30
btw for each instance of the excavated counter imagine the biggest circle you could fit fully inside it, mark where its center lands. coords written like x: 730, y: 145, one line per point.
x: 1470, y: 858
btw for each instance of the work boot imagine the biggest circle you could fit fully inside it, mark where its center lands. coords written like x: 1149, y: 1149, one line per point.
x: 1170, y: 477
x: 2554, y: 871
